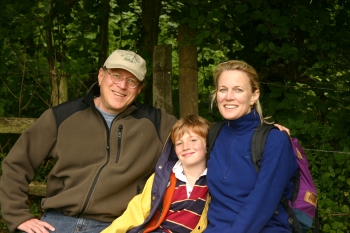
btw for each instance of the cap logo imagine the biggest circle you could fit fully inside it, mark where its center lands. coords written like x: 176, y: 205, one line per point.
x: 131, y: 57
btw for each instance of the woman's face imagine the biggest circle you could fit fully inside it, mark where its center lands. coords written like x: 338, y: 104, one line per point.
x: 234, y: 95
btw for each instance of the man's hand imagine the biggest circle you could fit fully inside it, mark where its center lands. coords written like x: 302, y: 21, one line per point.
x: 282, y: 128
x: 35, y: 226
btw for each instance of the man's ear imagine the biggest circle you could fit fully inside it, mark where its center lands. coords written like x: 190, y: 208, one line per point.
x: 140, y: 88
x: 100, y: 76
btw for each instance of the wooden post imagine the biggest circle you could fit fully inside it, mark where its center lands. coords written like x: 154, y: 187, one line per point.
x: 188, y: 76
x: 162, y: 67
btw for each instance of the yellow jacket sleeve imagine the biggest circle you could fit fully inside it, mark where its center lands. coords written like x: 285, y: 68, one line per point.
x: 203, y: 222
x: 135, y: 214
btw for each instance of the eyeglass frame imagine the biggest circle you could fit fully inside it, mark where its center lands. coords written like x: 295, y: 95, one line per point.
x: 127, y: 83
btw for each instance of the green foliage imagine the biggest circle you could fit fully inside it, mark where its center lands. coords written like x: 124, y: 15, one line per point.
x: 35, y: 207
x: 310, y: 115
x: 3, y: 226
x: 41, y: 174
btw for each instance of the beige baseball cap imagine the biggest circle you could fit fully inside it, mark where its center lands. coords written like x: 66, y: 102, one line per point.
x: 129, y: 61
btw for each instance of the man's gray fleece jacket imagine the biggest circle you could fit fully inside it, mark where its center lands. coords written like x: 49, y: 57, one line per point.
x: 97, y: 171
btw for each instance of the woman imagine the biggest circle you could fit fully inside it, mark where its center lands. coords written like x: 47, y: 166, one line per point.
x: 244, y: 201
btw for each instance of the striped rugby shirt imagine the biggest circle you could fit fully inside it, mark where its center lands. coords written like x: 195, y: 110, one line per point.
x: 186, y: 205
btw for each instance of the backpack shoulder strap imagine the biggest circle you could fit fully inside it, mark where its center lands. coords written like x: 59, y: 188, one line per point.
x: 292, y: 218
x: 258, y: 144
x: 212, y: 134
x: 257, y: 149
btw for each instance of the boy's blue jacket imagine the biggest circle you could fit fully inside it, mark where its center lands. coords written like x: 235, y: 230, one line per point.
x: 144, y: 206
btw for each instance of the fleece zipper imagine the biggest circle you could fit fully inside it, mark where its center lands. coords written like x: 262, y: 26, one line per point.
x: 100, y: 170
x: 120, y: 133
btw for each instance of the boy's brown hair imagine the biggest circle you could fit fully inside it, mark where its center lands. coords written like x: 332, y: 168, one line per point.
x: 193, y: 123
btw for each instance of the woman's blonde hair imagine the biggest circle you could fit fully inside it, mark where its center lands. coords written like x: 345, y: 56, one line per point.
x: 242, y: 66
x: 193, y: 123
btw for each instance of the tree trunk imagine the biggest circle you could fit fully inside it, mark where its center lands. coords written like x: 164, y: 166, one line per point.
x: 149, y: 39
x: 52, y: 69
x: 63, y: 88
x: 162, y: 67
x: 103, y: 34
x: 188, y: 76
x: 59, y: 82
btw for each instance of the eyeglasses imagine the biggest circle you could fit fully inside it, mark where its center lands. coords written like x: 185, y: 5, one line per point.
x: 130, y: 82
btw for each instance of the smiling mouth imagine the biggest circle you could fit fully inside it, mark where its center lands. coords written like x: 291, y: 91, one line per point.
x: 231, y: 106
x: 118, y: 94
x: 187, y: 154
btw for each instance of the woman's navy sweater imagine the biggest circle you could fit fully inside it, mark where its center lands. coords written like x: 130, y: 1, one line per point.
x: 244, y: 201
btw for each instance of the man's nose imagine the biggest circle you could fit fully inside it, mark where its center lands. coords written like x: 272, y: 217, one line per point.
x: 123, y: 84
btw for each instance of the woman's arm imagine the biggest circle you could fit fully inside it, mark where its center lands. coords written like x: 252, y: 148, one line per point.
x: 278, y: 165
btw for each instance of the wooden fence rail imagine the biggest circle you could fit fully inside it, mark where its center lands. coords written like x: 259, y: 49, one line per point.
x: 17, y: 126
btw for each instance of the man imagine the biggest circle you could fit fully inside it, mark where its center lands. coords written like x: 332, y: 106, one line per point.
x: 105, y: 145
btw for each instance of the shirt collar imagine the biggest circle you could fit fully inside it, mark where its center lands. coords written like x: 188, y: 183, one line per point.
x: 179, y: 172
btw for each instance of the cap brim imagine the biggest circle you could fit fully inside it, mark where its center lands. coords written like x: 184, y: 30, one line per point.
x: 137, y: 75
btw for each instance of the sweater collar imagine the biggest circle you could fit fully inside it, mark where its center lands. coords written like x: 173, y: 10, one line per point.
x: 245, y: 123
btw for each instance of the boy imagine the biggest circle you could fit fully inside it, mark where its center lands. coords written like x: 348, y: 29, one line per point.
x: 175, y: 198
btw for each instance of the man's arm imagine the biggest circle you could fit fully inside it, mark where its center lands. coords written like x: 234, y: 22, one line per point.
x: 33, y: 146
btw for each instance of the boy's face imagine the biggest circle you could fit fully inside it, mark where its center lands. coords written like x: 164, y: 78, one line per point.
x: 191, y: 150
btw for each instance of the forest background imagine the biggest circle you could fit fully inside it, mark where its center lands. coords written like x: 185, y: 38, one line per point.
x: 51, y: 51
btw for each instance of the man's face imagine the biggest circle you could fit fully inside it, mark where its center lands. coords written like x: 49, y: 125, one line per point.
x: 116, y: 97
